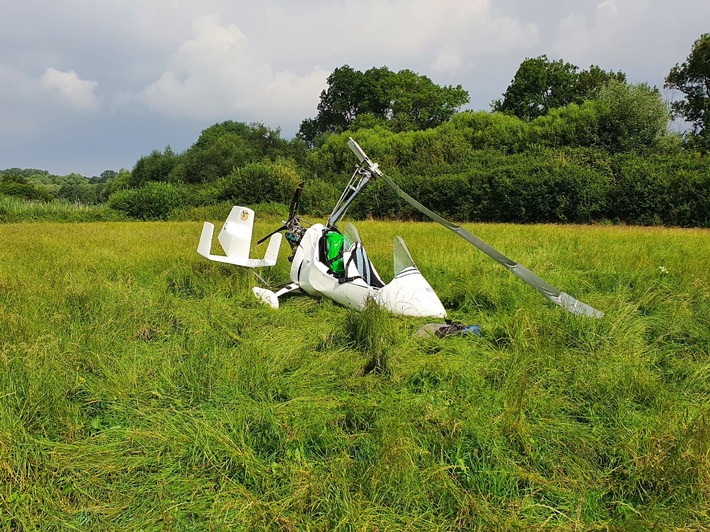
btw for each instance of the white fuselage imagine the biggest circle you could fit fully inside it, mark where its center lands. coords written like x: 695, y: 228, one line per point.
x: 408, y: 294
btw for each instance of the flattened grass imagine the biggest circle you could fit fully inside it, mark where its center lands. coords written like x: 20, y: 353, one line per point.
x: 143, y: 387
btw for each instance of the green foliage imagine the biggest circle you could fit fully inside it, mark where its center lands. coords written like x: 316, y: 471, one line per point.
x: 403, y: 100
x: 22, y: 190
x: 574, y: 125
x: 661, y: 190
x: 622, y: 118
x: 318, y: 197
x: 478, y: 166
x: 259, y: 182
x: 21, y: 175
x: 692, y: 78
x: 483, y: 130
x: 544, y: 187
x: 416, y: 103
x: 538, y: 86
x: 213, y: 157
x: 69, y: 179
x: 541, y: 85
x: 153, y: 201
x: 106, y: 176
x: 88, y: 194
x: 590, y: 82
x: 229, y: 145
x: 14, y: 210
x: 549, y: 185
x: 121, y: 181
x: 631, y: 117
x: 154, y: 167
x: 43, y: 186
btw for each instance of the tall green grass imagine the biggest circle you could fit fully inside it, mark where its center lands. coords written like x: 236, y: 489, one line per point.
x: 14, y: 209
x: 143, y: 387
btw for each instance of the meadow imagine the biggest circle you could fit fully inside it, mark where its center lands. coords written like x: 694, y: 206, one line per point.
x: 143, y: 387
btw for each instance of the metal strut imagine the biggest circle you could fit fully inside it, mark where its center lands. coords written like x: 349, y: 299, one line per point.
x: 357, y: 182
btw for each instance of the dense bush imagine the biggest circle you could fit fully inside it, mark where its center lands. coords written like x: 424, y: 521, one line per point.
x: 259, y: 182
x: 154, y: 167
x: 608, y: 159
x: 319, y: 197
x: 556, y: 186
x: 662, y: 190
x: 543, y: 188
x: 153, y: 201
x: 24, y: 191
x: 86, y: 194
x: 526, y: 188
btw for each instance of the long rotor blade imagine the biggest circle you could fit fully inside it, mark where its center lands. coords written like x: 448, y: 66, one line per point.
x: 562, y: 299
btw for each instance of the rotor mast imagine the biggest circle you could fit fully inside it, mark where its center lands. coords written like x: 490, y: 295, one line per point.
x: 359, y: 179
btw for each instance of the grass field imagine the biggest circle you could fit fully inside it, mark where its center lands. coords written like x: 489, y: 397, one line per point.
x: 142, y: 387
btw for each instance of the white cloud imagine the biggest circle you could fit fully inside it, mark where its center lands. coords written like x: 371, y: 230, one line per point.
x: 218, y: 74
x: 81, y: 94
x: 609, y: 7
x: 408, y: 32
x: 448, y: 60
x: 229, y: 70
x: 617, y: 33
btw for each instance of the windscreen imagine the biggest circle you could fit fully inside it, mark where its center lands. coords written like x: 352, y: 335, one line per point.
x: 350, y: 233
x: 402, y: 258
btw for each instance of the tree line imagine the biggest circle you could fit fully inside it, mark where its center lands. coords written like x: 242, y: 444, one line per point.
x: 562, y: 144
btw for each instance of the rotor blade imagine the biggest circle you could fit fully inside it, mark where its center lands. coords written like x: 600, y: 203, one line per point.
x: 271, y: 233
x: 562, y: 299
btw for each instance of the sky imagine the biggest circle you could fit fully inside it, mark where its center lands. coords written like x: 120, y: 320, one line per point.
x: 88, y: 86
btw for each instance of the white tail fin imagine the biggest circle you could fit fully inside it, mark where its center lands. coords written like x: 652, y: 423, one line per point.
x: 235, y: 239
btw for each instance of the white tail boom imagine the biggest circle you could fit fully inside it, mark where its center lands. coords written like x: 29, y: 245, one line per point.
x: 235, y: 239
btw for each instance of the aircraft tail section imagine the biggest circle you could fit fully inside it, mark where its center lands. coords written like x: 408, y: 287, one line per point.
x: 235, y: 239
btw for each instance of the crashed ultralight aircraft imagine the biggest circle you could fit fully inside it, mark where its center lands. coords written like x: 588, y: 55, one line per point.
x: 332, y: 263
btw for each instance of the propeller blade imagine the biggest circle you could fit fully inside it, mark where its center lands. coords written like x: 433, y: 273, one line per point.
x: 271, y: 233
x: 558, y: 297
x: 295, y: 201
x: 293, y: 209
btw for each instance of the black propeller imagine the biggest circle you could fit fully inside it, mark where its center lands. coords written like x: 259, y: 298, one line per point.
x: 293, y: 223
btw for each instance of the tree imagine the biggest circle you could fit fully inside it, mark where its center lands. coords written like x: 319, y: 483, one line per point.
x: 590, y: 82
x: 692, y: 78
x: 106, y: 175
x: 416, y: 103
x: 15, y: 184
x: 226, y: 145
x: 403, y: 101
x: 154, y: 167
x: 8, y: 176
x: 88, y: 194
x: 631, y: 116
x: 540, y: 85
x: 623, y: 117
